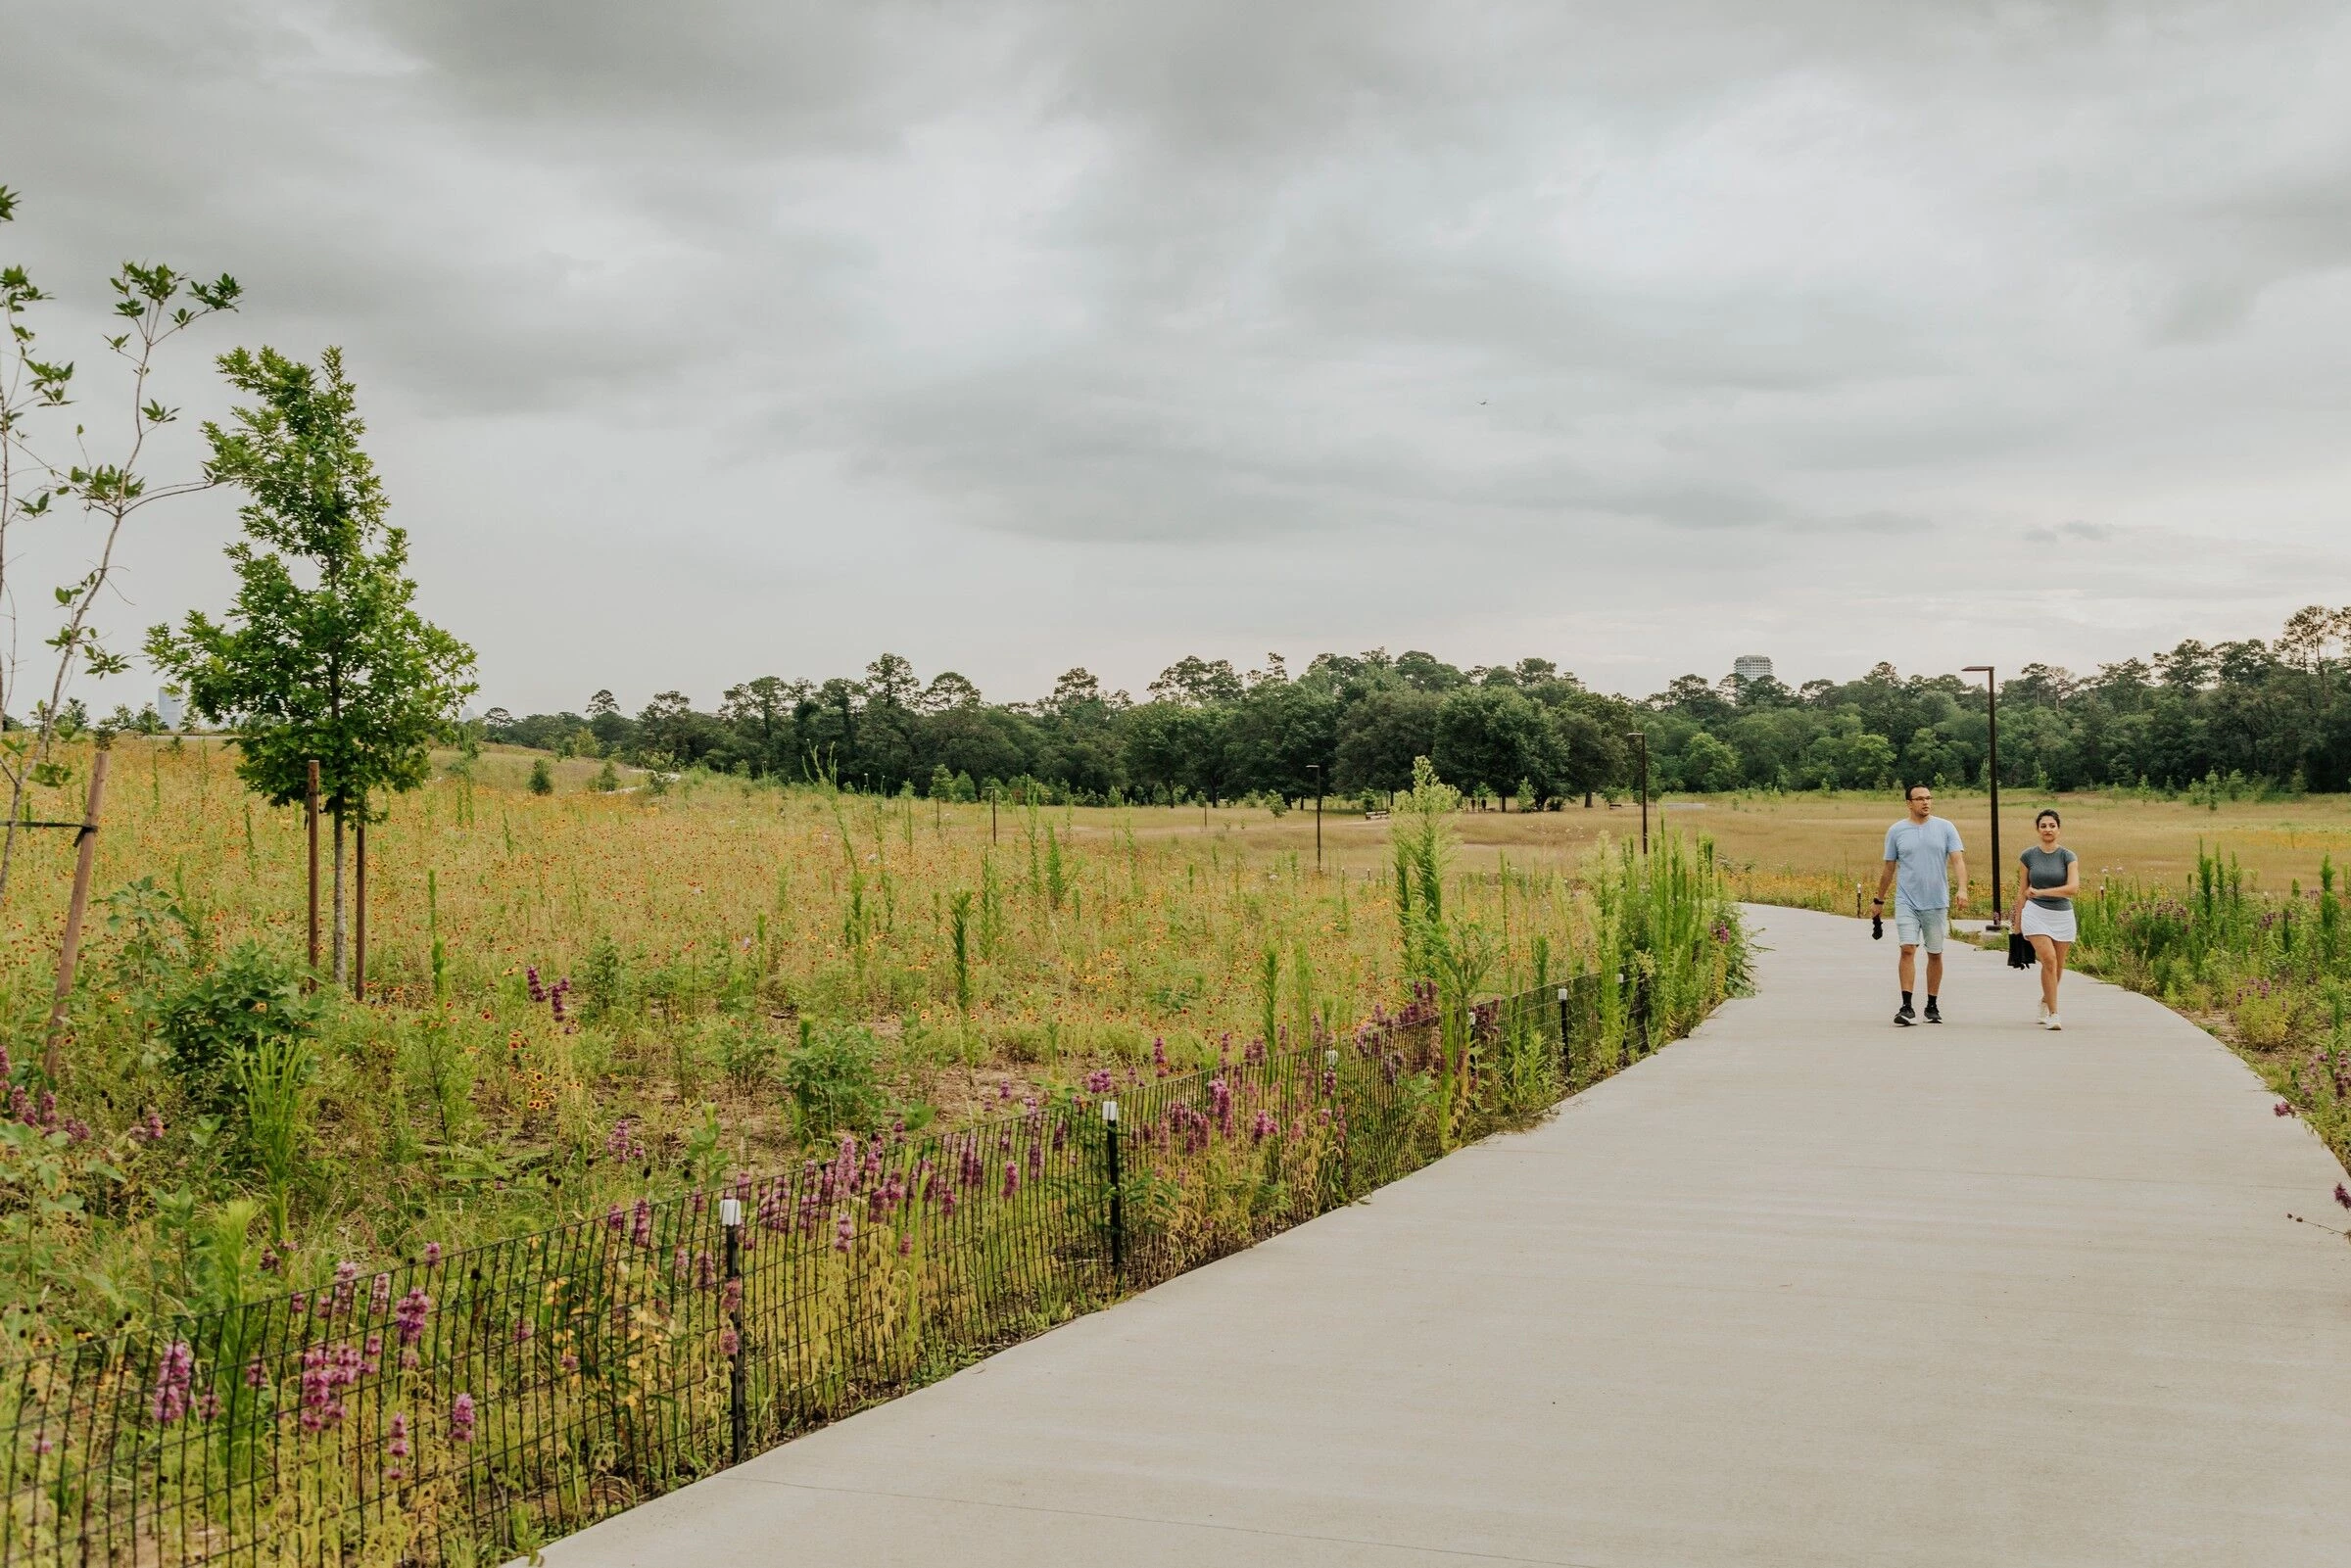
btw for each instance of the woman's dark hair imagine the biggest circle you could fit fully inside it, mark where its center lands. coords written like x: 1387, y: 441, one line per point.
x: 2049, y: 812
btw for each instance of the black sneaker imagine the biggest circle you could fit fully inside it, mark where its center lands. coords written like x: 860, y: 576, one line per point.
x: 1905, y: 1018
x: 1933, y: 1014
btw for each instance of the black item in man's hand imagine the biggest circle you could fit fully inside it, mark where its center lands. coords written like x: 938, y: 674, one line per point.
x: 1877, y: 928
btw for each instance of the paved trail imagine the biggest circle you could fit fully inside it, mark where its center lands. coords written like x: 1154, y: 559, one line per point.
x: 1802, y: 1290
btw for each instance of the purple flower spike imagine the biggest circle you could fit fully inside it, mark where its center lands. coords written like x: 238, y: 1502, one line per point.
x: 172, y: 1374
x: 407, y: 1318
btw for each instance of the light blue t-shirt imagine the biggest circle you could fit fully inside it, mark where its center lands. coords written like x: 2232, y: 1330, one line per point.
x: 1922, y: 851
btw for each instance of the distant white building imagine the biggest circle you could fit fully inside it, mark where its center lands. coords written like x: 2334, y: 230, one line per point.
x: 1751, y: 667
x: 169, y: 707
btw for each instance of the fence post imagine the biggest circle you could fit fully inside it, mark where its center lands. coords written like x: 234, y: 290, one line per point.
x: 1330, y: 1065
x: 1117, y: 1204
x: 1567, y: 1043
x: 70, y: 951
x: 730, y: 1218
x: 1641, y: 1007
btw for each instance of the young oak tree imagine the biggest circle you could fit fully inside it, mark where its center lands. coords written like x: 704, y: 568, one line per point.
x: 321, y: 655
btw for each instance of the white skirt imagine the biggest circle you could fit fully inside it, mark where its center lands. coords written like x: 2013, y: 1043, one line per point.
x: 2057, y: 925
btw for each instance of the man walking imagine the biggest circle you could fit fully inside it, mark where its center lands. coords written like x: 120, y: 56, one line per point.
x: 1923, y: 854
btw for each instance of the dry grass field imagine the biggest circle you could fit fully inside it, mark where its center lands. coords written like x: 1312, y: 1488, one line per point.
x: 576, y: 995
x: 1781, y: 846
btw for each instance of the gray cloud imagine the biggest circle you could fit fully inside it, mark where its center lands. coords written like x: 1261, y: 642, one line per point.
x: 725, y: 336
x: 2088, y: 532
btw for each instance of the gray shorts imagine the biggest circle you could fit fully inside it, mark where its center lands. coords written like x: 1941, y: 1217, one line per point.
x: 1921, y: 928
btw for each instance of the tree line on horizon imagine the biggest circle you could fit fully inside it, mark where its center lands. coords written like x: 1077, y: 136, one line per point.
x: 2248, y: 714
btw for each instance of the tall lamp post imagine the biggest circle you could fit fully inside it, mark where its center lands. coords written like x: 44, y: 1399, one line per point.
x: 1316, y: 769
x: 1991, y: 771
x: 1640, y: 745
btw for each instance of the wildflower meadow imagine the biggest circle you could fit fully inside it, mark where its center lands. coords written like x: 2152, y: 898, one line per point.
x: 2262, y: 969
x: 675, y: 1119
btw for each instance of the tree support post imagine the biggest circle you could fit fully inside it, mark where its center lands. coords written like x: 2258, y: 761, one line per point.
x: 359, y: 957
x: 85, y: 857
x: 310, y: 812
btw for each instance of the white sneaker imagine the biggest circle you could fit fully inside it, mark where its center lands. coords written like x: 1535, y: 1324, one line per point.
x: 2040, y: 1013
x: 2052, y: 1021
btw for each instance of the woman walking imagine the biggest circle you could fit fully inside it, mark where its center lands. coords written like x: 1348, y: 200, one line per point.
x: 2049, y: 876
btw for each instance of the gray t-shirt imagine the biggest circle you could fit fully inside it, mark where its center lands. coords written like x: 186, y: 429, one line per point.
x: 2048, y: 867
x: 1922, y: 851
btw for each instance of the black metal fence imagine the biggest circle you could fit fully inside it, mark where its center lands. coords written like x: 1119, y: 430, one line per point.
x: 458, y: 1410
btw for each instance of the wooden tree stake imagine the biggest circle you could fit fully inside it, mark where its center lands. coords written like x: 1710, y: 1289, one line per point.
x: 87, y: 840
x: 359, y: 966
x: 309, y: 808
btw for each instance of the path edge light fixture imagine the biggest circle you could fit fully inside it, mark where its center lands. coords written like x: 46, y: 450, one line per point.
x: 1316, y: 769
x: 1991, y: 773
x: 1640, y: 740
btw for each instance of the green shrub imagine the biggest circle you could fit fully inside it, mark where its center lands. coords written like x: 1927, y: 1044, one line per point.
x: 603, y: 979
x: 543, y: 777
x: 219, y: 1015
x: 155, y: 940
x: 2262, y: 1021
x: 608, y: 780
x: 746, y: 1049
x: 833, y: 1079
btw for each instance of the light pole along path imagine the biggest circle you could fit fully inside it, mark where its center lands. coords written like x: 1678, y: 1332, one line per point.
x: 1802, y: 1290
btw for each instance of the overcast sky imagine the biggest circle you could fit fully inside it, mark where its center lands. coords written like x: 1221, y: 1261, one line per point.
x: 705, y: 340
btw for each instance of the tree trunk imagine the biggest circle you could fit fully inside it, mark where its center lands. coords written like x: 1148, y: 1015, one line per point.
x: 337, y: 898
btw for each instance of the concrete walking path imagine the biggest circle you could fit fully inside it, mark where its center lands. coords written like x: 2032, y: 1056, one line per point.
x: 1803, y: 1288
